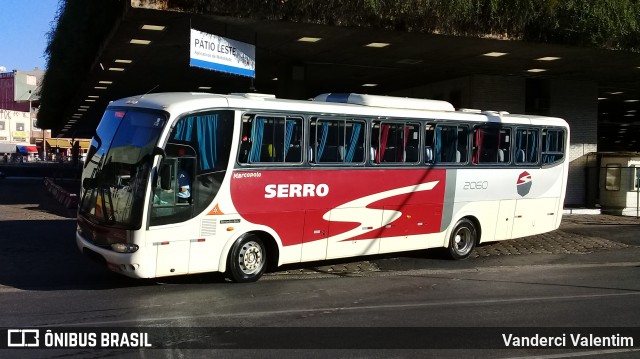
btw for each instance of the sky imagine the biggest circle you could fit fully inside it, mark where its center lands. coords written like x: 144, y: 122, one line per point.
x: 24, y: 25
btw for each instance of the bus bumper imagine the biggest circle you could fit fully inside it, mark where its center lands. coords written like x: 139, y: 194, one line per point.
x: 128, y: 264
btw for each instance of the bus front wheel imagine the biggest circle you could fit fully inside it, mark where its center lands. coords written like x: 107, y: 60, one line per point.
x: 463, y: 239
x: 247, y: 259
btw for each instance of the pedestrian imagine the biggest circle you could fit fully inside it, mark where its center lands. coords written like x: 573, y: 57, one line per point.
x: 184, y: 186
x: 75, y: 152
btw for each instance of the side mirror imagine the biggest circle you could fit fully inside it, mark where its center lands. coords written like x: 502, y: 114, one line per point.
x: 164, y: 172
x: 165, y: 178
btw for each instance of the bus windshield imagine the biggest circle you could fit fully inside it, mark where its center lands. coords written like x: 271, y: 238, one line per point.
x: 116, y: 170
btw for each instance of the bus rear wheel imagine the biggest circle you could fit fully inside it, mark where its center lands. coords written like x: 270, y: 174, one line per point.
x: 463, y: 239
x: 247, y: 259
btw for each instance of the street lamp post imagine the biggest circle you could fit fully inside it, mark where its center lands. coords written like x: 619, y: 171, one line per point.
x: 44, y: 142
x: 30, y: 123
x: 44, y: 145
x: 9, y: 122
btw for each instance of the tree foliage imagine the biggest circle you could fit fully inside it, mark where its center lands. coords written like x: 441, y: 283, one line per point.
x: 603, y: 23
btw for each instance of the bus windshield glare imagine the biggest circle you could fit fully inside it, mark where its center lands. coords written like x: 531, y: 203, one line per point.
x: 116, y: 171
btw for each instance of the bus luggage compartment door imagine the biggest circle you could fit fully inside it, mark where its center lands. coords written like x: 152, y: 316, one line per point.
x: 504, y: 222
x: 314, y: 238
x: 354, y: 232
x: 534, y: 216
x: 173, y: 258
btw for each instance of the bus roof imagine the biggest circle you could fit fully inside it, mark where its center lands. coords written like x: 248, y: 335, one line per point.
x: 177, y: 103
x: 386, y: 101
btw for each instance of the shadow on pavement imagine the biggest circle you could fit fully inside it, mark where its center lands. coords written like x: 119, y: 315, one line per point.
x: 37, y: 243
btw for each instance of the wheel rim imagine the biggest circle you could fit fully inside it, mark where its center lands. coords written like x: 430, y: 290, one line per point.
x: 463, y: 240
x: 250, y: 258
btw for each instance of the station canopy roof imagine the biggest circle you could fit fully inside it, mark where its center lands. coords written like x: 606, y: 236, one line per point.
x: 95, y: 55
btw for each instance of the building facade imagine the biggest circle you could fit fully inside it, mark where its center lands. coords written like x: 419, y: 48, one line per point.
x: 16, y: 126
x: 18, y: 108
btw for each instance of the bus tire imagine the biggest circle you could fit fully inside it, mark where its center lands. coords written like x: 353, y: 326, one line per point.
x: 463, y: 239
x: 247, y: 259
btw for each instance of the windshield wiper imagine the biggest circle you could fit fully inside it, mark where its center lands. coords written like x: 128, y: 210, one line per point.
x: 107, y: 215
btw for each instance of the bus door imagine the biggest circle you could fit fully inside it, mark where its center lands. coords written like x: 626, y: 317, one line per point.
x: 172, y: 207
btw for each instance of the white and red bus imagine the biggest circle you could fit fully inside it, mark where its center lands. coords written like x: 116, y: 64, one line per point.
x: 181, y: 183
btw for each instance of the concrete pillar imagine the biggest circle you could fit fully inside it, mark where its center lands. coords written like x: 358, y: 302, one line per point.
x: 577, y: 103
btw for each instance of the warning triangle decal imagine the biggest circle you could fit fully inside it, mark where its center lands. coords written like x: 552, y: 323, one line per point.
x: 215, y: 210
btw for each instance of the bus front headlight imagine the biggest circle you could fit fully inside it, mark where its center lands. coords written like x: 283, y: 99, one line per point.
x: 124, y: 247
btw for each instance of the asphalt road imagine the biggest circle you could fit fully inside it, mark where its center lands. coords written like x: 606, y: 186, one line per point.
x: 580, y: 279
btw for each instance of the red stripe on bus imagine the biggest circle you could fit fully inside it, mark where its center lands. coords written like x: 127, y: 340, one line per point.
x: 290, y: 202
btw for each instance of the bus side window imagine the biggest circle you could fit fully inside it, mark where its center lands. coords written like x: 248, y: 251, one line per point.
x: 271, y: 139
x: 246, y: 143
x: 462, y: 144
x: 354, y: 141
x: 491, y: 144
x: 429, y: 132
x: 526, y: 146
x: 552, y: 145
x: 451, y: 144
x: 336, y: 141
x: 292, y: 148
x: 397, y: 142
x: 320, y: 129
x: 383, y: 153
x: 411, y: 143
x: 504, y: 146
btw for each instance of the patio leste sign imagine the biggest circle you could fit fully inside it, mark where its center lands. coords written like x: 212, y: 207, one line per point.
x: 221, y: 54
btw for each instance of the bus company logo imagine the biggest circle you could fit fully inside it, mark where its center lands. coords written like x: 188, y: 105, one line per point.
x: 285, y: 190
x: 524, y: 183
